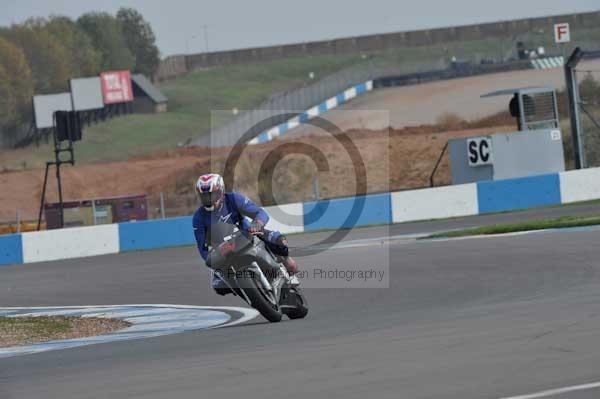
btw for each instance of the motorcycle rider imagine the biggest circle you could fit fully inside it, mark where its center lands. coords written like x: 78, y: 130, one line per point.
x: 234, y: 208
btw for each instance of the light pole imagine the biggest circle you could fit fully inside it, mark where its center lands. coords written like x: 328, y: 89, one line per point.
x: 205, y: 28
x: 187, y: 43
x: 189, y: 38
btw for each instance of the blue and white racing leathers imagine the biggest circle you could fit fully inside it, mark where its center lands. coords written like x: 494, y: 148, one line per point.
x: 239, y: 210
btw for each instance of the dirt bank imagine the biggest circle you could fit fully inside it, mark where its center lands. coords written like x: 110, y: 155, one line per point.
x: 394, y: 159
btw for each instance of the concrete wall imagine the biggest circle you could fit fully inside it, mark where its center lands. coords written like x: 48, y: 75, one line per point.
x: 78, y: 242
x: 520, y: 193
x: 580, y: 185
x: 11, y: 250
x: 171, y: 67
x: 177, y: 65
x: 434, y: 203
x: 375, y: 209
x: 150, y: 234
x: 348, y: 212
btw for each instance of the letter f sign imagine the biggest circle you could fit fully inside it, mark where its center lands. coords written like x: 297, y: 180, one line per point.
x: 562, y: 33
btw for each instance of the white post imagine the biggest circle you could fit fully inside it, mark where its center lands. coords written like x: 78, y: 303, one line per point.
x: 162, y: 205
x: 94, y: 211
x: 18, y: 222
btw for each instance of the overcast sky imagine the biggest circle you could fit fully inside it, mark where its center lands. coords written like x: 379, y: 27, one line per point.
x: 178, y: 24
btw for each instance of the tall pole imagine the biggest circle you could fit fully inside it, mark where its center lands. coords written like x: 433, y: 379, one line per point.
x: 205, y: 27
x: 43, y: 195
x: 162, y: 205
x: 573, y: 94
x: 60, y: 197
x: 94, y: 211
x: 187, y: 43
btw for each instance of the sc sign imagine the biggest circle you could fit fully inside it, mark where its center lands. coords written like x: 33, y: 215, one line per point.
x: 479, y: 151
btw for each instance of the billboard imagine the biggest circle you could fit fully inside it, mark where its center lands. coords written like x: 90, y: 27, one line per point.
x: 116, y: 87
x: 87, y: 94
x: 45, y: 106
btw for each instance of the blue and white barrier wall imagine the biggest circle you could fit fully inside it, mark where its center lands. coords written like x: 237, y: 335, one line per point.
x: 348, y: 212
x: 375, y: 209
x: 579, y: 185
x: 325, y: 106
x: 434, y: 203
x: 78, y: 242
x: 11, y: 249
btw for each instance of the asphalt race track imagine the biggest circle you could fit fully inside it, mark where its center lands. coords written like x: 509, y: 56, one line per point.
x: 472, y: 318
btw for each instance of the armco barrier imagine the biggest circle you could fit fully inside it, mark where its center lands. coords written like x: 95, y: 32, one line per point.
x: 325, y: 106
x: 11, y: 249
x: 521, y: 193
x: 348, y: 212
x: 78, y: 242
x: 436, y: 203
x: 579, y: 185
x: 153, y: 234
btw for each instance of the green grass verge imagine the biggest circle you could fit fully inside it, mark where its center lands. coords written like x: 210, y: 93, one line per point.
x: 33, y: 327
x: 555, y: 223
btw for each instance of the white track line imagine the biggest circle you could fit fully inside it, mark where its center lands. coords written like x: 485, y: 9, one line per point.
x: 557, y: 391
x: 148, y: 320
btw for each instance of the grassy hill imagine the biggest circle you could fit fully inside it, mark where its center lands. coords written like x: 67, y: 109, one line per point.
x: 193, y: 96
x: 191, y: 99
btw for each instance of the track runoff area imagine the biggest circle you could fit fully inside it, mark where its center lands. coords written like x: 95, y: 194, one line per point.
x: 500, y: 317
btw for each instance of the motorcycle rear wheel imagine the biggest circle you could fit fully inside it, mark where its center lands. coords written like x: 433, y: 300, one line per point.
x: 301, y: 309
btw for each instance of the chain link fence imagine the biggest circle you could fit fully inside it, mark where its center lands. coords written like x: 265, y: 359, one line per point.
x: 588, y: 81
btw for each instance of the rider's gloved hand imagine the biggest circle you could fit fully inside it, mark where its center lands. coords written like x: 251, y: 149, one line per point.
x: 257, y: 227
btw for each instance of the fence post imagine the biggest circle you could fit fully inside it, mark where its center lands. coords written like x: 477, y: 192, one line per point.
x: 162, y: 205
x: 316, y: 194
x: 18, y: 222
x: 573, y: 94
x: 94, y: 212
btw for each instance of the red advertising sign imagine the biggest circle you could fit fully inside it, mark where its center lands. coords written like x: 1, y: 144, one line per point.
x: 116, y: 87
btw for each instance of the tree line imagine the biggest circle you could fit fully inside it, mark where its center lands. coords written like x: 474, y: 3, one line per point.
x: 40, y: 55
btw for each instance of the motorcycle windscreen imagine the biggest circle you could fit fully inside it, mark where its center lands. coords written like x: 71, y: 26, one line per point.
x: 218, y: 231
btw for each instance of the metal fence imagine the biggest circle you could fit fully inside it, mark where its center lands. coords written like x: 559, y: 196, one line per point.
x: 588, y: 81
x: 583, y: 90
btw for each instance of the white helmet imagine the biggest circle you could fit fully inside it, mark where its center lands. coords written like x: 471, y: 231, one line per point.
x: 211, y: 191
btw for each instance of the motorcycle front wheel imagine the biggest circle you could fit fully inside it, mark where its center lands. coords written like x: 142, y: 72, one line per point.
x: 261, y: 299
